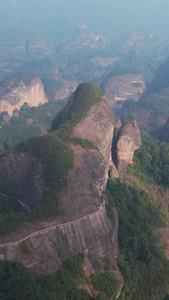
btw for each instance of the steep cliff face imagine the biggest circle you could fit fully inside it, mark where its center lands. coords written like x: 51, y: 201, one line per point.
x: 129, y: 140
x: 13, y: 96
x: 98, y: 127
x: 45, y: 251
x: 83, y: 224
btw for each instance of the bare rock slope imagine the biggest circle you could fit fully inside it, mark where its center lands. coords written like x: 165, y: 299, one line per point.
x: 83, y: 224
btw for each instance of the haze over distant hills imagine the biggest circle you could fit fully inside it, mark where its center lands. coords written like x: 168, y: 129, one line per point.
x: 41, y: 28
x: 91, y: 13
x: 77, y: 177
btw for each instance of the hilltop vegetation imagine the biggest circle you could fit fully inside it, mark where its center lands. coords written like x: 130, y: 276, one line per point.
x: 86, y: 95
x: 55, y: 157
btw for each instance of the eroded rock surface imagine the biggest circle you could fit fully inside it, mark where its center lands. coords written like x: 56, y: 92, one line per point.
x: 15, y: 97
x: 129, y: 140
x: 93, y: 234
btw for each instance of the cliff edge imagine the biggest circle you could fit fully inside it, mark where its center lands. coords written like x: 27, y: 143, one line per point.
x: 80, y: 144
x: 20, y: 88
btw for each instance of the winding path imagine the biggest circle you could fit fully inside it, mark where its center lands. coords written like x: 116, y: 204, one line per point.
x: 24, y: 205
x: 55, y: 226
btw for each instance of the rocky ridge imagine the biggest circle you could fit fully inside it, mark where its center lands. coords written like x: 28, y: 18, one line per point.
x: 83, y: 224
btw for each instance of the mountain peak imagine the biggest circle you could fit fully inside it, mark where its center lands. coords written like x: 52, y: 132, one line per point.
x: 86, y: 95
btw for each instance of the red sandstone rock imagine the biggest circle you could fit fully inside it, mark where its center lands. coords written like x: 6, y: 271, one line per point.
x: 129, y: 140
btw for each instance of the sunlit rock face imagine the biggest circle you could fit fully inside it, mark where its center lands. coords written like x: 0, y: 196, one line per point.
x: 98, y: 127
x: 129, y: 140
x: 12, y: 98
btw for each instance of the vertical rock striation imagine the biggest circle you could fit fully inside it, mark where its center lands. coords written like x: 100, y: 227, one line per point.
x: 129, y: 140
x: 33, y: 94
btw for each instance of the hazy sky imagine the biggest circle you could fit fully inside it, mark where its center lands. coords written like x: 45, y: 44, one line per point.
x: 145, y: 15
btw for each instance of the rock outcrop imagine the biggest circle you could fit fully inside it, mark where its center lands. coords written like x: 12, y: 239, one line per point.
x: 14, y: 95
x: 83, y: 224
x: 128, y: 141
x: 98, y: 127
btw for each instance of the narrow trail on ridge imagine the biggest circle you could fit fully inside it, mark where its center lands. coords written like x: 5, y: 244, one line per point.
x: 53, y: 227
